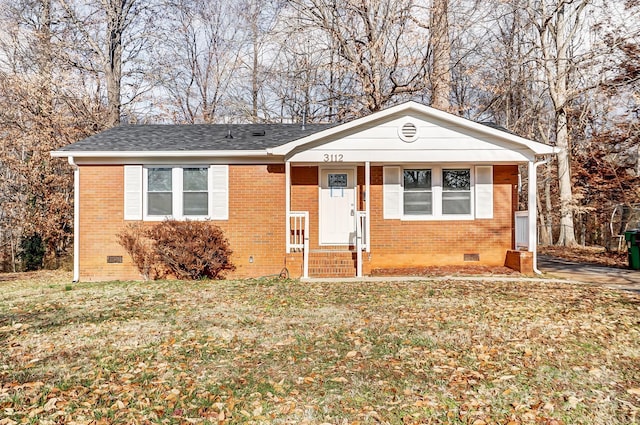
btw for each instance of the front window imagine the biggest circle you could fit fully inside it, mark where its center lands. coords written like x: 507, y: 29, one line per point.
x: 185, y: 192
x: 418, y: 195
x: 160, y: 197
x: 195, y: 188
x: 456, y: 191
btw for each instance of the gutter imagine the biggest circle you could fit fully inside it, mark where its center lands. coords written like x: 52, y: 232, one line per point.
x: 160, y: 154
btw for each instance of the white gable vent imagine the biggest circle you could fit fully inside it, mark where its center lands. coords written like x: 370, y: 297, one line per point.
x: 408, y: 132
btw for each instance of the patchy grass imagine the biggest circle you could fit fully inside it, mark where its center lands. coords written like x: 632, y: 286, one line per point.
x: 288, y: 352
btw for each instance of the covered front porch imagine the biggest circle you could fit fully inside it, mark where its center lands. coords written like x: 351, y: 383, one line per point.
x: 326, y: 226
x: 408, y: 186
x: 372, y: 241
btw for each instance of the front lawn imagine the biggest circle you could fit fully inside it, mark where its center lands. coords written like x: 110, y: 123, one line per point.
x: 265, y: 351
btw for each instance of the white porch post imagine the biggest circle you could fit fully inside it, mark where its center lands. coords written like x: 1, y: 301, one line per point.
x: 533, y: 213
x: 367, y: 205
x: 287, y: 204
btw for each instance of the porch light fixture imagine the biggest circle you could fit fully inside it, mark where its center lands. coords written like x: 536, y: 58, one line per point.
x: 408, y: 132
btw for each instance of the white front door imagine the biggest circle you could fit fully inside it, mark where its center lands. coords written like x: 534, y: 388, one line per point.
x: 337, y: 206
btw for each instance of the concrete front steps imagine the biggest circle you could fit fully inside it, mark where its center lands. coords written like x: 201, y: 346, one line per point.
x: 332, y: 263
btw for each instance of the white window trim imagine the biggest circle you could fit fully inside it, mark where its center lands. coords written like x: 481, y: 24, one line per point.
x: 177, y: 191
x: 436, y: 190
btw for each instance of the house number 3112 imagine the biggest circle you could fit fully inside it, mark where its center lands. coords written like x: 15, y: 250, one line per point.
x: 332, y: 157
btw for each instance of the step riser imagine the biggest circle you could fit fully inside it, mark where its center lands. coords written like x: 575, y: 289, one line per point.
x: 332, y: 264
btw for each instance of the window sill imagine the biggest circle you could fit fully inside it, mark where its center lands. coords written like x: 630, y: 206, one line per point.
x: 457, y: 217
x: 184, y: 218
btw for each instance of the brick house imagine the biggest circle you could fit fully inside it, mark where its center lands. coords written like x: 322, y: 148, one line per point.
x: 405, y: 187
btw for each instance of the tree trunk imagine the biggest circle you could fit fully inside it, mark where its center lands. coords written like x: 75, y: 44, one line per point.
x: 441, y: 50
x: 114, y: 67
x: 547, y: 203
x: 567, y: 234
x: 545, y: 237
x: 255, y: 90
x: 46, y: 58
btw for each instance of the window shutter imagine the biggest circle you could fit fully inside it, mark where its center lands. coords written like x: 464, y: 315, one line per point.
x: 392, y: 192
x: 219, y: 206
x: 133, y: 192
x: 484, y: 191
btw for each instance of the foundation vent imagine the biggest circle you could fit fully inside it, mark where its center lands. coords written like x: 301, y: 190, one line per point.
x: 114, y: 259
x: 471, y: 257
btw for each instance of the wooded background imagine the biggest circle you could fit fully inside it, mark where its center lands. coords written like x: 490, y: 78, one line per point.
x: 562, y: 72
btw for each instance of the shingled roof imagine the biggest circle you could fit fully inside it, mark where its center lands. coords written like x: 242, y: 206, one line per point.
x: 193, y: 137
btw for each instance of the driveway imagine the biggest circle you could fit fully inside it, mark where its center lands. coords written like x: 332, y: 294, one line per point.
x: 588, y: 273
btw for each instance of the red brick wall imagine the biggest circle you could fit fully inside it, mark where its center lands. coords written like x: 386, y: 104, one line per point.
x: 396, y: 243
x: 305, y: 196
x: 521, y: 261
x: 256, y: 225
x: 101, y: 218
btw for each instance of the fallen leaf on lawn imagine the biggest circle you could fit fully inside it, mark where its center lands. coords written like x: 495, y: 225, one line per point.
x: 595, y: 372
x: 341, y: 379
x: 352, y: 354
x: 173, y: 395
x: 572, y: 402
x: 634, y: 391
x: 51, y: 404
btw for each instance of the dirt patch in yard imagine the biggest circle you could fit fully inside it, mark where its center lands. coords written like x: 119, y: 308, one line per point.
x: 587, y: 254
x: 446, y: 271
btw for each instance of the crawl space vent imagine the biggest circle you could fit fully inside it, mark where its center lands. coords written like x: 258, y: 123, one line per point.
x: 114, y: 259
x: 408, y: 132
x: 471, y: 257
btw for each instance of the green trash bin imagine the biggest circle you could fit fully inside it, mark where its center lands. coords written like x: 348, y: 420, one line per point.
x: 632, y: 237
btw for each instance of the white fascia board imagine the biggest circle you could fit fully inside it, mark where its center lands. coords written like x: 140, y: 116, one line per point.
x: 487, y: 156
x: 159, y: 154
x: 411, y: 106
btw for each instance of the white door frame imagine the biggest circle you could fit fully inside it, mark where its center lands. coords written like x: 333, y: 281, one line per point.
x: 329, y: 168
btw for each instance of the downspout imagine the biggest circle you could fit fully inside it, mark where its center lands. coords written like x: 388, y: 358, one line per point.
x: 533, y: 213
x: 287, y: 204
x: 76, y: 219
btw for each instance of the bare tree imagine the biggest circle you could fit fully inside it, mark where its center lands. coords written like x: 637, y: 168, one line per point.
x: 376, y: 41
x: 109, y: 38
x: 199, y: 59
x: 559, y: 24
x: 39, y: 102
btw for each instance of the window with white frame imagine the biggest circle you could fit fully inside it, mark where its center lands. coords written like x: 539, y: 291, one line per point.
x: 160, y: 191
x: 195, y: 191
x: 177, y: 192
x: 436, y: 192
x: 456, y: 191
x: 418, y: 196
